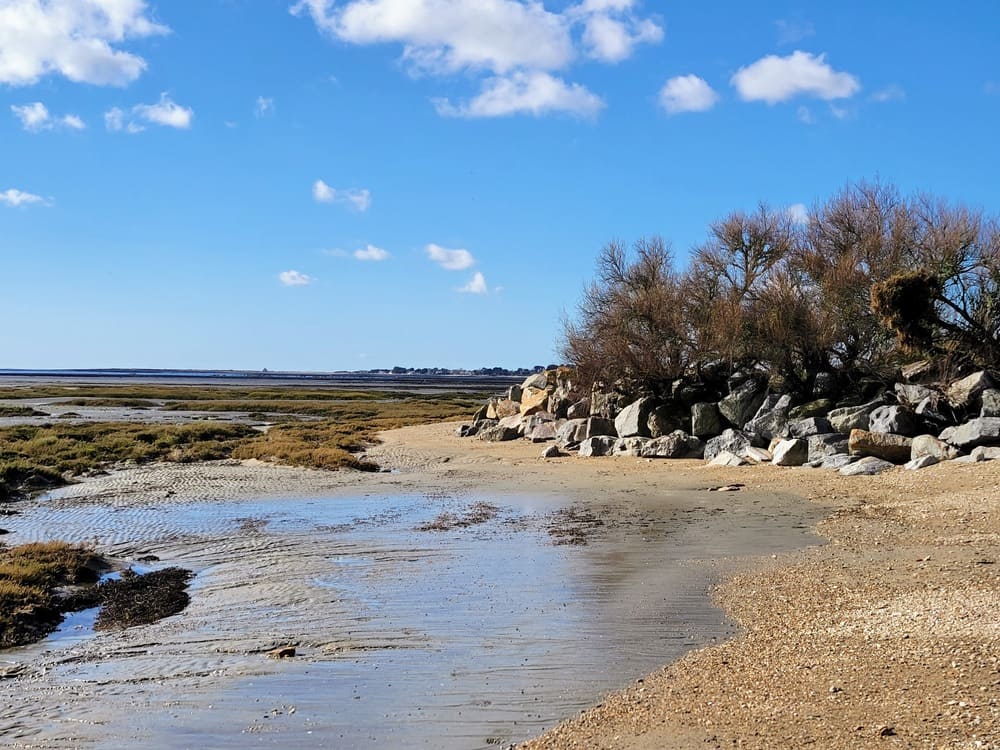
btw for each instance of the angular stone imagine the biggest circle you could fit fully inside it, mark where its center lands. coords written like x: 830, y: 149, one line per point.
x: 804, y: 428
x: 602, y: 445
x: 633, y: 420
x: 481, y: 414
x: 916, y: 370
x: 725, y: 458
x: 743, y: 402
x: 536, y: 419
x: 895, y: 420
x: 514, y: 393
x: 853, y: 417
x: 921, y: 463
x: 677, y: 444
x: 867, y: 466
x: 542, y: 433
x: 928, y: 445
x: 790, y: 453
x: 894, y: 448
x: 706, y: 421
x: 629, y: 446
x: 991, y: 403
x: 538, y: 381
x: 837, y: 461
x: 935, y: 412
x: 571, y: 431
x: 972, y: 458
x: 965, y: 393
x: 579, y: 410
x: 500, y: 408
x: 821, y: 446
x: 912, y: 394
x: 552, y: 452
x: 534, y: 400
x: 976, y: 432
x: 730, y: 440
x: 499, y: 433
x: 986, y: 452
x: 666, y: 419
x: 599, y: 426
x: 818, y: 408
x: 771, y: 419
x: 757, y: 454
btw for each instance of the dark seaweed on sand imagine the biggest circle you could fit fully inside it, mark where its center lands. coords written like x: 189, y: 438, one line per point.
x: 143, y: 599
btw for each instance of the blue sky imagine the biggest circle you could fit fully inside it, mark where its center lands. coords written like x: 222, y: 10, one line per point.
x: 366, y: 183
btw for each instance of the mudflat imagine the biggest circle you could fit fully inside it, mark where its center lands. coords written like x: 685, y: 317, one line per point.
x: 888, y: 634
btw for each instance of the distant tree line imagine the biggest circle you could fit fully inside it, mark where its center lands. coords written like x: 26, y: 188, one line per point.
x: 870, y: 280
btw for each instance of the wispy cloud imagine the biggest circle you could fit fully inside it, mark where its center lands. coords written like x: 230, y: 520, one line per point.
x: 774, y: 79
x: 687, y: 94
x: 891, y: 93
x: 35, y: 117
x: 358, y: 199
x: 535, y: 93
x: 294, y: 278
x: 476, y: 285
x: 263, y: 107
x: 793, y: 31
x: 450, y: 260
x: 371, y: 253
x: 165, y: 112
x: 805, y: 115
x: 78, y: 39
x: 15, y: 198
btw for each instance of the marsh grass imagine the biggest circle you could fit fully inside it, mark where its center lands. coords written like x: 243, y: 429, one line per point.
x: 20, y: 411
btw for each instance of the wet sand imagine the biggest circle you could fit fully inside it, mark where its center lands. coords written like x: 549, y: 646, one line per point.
x: 889, y: 635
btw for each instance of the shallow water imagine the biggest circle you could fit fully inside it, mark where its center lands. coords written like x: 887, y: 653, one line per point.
x: 466, y: 638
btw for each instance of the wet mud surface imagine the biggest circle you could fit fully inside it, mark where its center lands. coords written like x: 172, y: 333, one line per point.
x: 423, y: 620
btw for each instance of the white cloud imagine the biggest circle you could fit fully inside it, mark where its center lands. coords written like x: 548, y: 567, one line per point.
x: 166, y: 112
x: 687, y: 94
x: 263, y: 106
x: 450, y: 260
x: 798, y: 213
x: 775, y: 79
x: 371, y: 253
x: 15, y: 198
x: 36, y: 117
x: 78, y: 39
x: 517, y: 44
x: 294, y: 278
x: 793, y: 31
x: 476, y: 285
x: 358, y: 199
x: 534, y: 93
x: 891, y: 93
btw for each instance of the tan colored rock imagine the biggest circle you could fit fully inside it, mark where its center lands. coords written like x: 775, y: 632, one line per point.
x: 894, y: 448
x: 500, y: 408
x: 534, y: 400
x: 928, y: 445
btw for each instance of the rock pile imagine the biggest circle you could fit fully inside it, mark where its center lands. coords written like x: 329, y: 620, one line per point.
x: 878, y: 426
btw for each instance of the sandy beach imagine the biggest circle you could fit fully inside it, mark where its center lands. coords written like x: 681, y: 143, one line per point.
x: 887, y: 634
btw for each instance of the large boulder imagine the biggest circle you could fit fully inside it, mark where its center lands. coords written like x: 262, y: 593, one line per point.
x: 599, y: 426
x: 706, y: 421
x: 629, y: 446
x: 895, y: 420
x: 571, y: 431
x: 500, y: 408
x: 534, y: 400
x: 668, y: 418
x: 514, y: 393
x: 853, y: 417
x: 793, y: 452
x: 539, y: 381
x: 633, y: 420
x: 818, y: 408
x: 893, y: 448
x: 602, y: 445
x: 975, y: 432
x: 804, y: 428
x: 579, y: 410
x: 542, y: 432
x: 935, y: 412
x: 867, y: 466
x: 743, y: 402
x: 733, y: 441
x: 823, y: 446
x: 771, y: 419
x: 986, y: 453
x: 725, y: 458
x: 921, y: 463
x: 499, y: 433
x: 928, y: 445
x: 677, y: 444
x: 966, y: 393
x: 911, y: 394
x: 991, y: 403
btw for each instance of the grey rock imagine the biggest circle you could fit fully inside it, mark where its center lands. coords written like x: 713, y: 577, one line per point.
x: 759, y: 455
x: 706, y: 421
x: 726, y: 458
x: 539, y: 418
x: 601, y: 445
x: 732, y: 441
x: 935, y: 412
x: 743, y: 402
x: 853, y: 417
x: 677, y: 444
x: 976, y: 432
x: 599, y: 426
x: 921, y: 463
x: 514, y: 393
x: 571, y: 431
x: 836, y: 461
x: 821, y: 446
x: 911, y: 394
x: 771, y: 419
x: 629, y: 446
x: 552, y: 452
x: 991, y: 403
x: 542, y: 433
x: 818, y: 408
x: 666, y: 419
x: 539, y: 381
x: 499, y: 433
x: 481, y: 414
x: 928, y: 445
x: 972, y: 458
x: 966, y: 393
x: 514, y: 422
x: 793, y: 452
x: 579, y: 410
x: 633, y: 420
x: 804, y: 428
x: 986, y: 452
x: 896, y: 420
x: 867, y: 466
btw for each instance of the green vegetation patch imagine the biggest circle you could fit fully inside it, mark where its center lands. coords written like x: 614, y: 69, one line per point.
x: 20, y: 411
